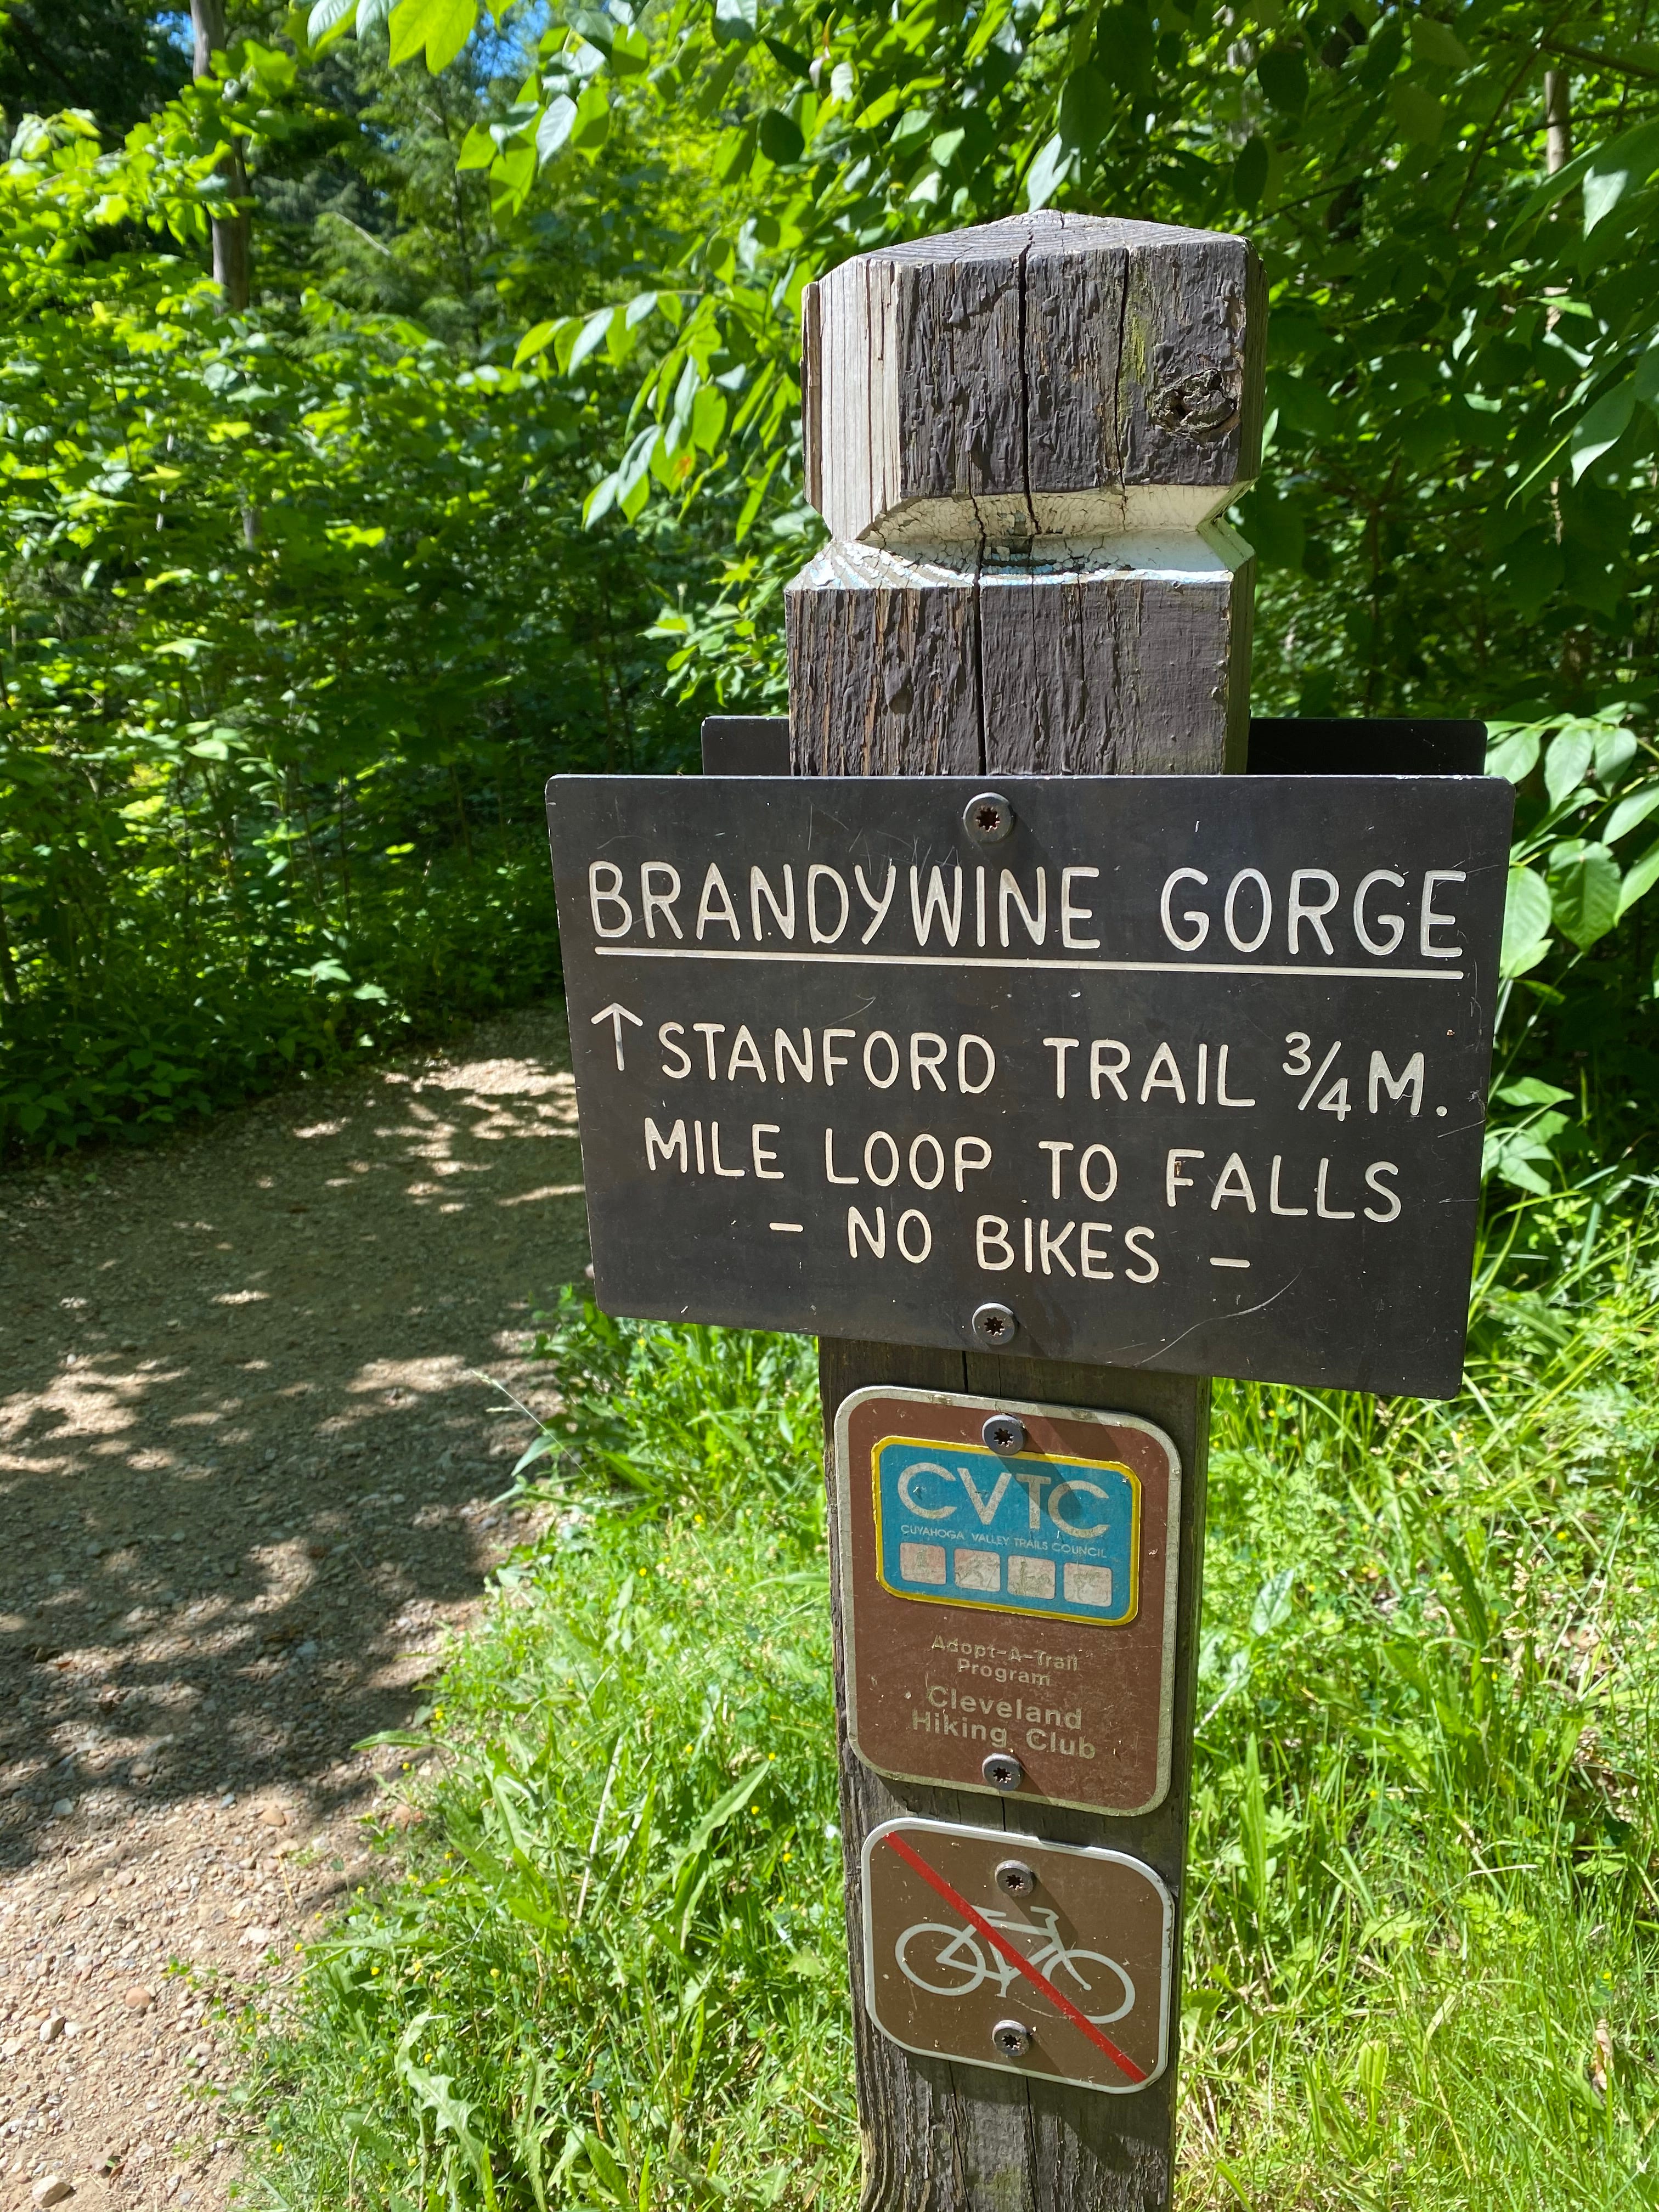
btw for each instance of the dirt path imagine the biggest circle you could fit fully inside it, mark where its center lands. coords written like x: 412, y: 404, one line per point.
x: 246, y: 1464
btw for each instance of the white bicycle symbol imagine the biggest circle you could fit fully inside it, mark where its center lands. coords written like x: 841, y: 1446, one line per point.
x: 961, y: 1963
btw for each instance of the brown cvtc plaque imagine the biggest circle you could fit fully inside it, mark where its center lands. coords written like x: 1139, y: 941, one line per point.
x: 1009, y: 1581
x: 1033, y: 1958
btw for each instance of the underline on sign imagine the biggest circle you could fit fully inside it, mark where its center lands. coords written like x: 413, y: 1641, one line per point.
x: 1070, y: 967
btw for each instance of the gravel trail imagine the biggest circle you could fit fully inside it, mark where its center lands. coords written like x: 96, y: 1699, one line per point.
x: 245, y: 1466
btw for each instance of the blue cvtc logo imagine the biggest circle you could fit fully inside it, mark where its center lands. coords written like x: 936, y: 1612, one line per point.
x: 959, y: 1525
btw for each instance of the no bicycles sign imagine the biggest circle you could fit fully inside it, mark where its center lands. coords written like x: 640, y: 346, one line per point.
x: 1039, y: 1959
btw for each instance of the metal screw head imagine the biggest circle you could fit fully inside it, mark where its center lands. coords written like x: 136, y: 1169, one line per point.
x: 987, y: 817
x: 1003, y: 1433
x: 1012, y: 2038
x: 1003, y: 1770
x: 994, y: 1325
x: 1015, y: 1878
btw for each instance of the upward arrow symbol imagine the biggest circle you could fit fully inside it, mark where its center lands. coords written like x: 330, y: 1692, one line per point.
x: 615, y: 1013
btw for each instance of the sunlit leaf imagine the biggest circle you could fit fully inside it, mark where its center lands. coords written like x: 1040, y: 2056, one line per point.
x: 552, y: 132
x: 442, y: 27
x: 1526, y: 915
x: 1584, y: 897
x: 737, y: 19
x: 1514, y: 755
x: 330, y: 16
x: 1048, y: 171
x: 1568, y: 762
x: 1640, y: 880
x: 1612, y: 169
x: 1629, y: 813
x: 1598, y: 430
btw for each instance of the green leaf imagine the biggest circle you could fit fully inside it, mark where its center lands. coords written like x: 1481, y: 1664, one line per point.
x: 1048, y: 171
x: 1283, y: 76
x: 631, y: 51
x: 593, y: 124
x: 593, y: 334
x: 328, y: 20
x: 1433, y: 42
x: 1614, y: 749
x: 1420, y: 116
x: 788, y: 58
x: 477, y: 149
x: 558, y: 121
x: 1629, y: 813
x: 780, y: 137
x: 1514, y: 755
x: 1640, y: 880
x: 734, y: 150
x: 708, y: 414
x: 736, y: 22
x: 1086, y: 106
x: 1598, y: 430
x: 535, y: 341
x: 1124, y: 51
x: 1533, y: 1090
x: 1250, y: 172
x: 1526, y: 919
x: 1274, y: 528
x: 441, y: 26
x: 606, y: 2172
x: 1567, y: 762
x: 1585, y: 896
x: 1612, y: 169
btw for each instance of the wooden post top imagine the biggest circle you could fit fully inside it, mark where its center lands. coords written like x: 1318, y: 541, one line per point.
x: 1051, y: 374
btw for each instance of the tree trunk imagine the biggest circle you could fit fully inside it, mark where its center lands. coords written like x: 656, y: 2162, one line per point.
x: 1557, y: 119
x: 233, y: 244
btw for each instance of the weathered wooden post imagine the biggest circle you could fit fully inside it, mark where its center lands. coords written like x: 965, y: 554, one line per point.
x: 1022, y: 437
x: 1040, y: 1075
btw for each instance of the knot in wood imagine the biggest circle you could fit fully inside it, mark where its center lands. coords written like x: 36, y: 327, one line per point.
x: 1200, y: 405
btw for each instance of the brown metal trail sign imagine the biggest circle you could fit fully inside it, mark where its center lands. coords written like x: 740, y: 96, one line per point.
x: 1040, y: 1102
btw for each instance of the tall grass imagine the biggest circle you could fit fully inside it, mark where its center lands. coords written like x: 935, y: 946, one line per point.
x: 608, y: 1970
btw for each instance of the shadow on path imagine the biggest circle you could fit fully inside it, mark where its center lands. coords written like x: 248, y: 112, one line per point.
x: 245, y: 1456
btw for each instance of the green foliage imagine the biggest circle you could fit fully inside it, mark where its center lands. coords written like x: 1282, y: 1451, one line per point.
x: 299, y: 618
x: 110, y: 57
x: 611, y: 1971
x: 1463, y: 389
x: 1572, y: 1029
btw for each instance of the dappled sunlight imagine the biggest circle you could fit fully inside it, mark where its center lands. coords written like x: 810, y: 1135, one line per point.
x: 247, y: 1454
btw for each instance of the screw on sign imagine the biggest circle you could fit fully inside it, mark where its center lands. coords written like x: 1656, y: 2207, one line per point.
x: 1055, y: 1963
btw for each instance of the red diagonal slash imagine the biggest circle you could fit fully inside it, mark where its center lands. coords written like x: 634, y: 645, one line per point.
x: 981, y: 1926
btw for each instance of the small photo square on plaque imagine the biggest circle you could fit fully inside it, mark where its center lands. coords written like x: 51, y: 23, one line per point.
x: 978, y: 1571
x: 1029, y: 1578
x: 1087, y: 1585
